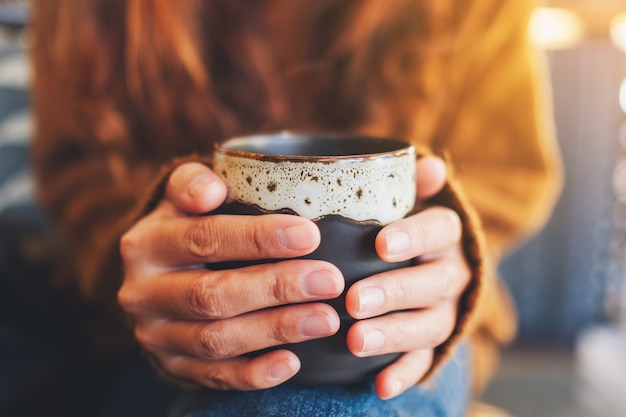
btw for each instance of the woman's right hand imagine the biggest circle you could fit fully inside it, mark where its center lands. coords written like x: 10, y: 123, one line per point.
x: 198, y: 323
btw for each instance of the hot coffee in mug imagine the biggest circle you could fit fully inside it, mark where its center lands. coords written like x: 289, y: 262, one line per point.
x: 350, y: 186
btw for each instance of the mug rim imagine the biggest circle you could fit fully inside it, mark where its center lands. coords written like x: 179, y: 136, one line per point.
x: 397, y: 147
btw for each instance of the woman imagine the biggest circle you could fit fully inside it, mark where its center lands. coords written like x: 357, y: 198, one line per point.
x: 130, y: 98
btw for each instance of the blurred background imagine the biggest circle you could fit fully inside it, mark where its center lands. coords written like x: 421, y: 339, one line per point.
x: 569, y: 281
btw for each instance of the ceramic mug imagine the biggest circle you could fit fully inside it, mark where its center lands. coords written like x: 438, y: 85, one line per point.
x: 350, y: 186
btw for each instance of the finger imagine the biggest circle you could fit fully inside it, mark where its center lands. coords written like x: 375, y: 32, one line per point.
x: 193, y: 188
x: 431, y: 176
x: 226, y: 339
x: 402, y: 331
x: 403, y: 374
x: 183, y: 241
x: 206, y: 295
x: 243, y: 374
x: 426, y: 285
x: 431, y: 230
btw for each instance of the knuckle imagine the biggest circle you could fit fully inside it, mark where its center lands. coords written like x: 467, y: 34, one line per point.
x: 466, y: 275
x: 441, y: 331
x: 174, y: 367
x: 206, y: 299
x: 212, y: 343
x: 143, y: 336
x: 452, y: 223
x: 201, y: 240
x: 213, y: 377
x: 282, y: 331
x: 259, y: 242
x: 130, y: 246
x: 128, y: 299
x: 217, y: 377
x: 448, y: 281
x: 280, y: 290
x: 453, y: 280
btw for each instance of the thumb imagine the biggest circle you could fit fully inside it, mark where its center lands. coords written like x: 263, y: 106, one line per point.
x: 195, y: 189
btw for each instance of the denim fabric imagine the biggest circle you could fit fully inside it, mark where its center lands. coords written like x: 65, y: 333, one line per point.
x: 447, y: 395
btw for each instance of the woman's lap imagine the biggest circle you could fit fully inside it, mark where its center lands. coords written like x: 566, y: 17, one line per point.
x: 445, y: 396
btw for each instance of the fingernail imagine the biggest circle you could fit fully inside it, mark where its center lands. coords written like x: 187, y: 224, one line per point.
x: 397, y: 241
x: 321, y: 283
x: 396, y: 389
x: 373, y: 340
x: 198, y: 185
x: 296, y: 238
x: 315, y: 326
x: 282, y: 369
x: 370, y: 299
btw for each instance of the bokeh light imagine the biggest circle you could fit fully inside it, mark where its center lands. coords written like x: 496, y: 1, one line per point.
x: 618, y: 31
x: 555, y: 28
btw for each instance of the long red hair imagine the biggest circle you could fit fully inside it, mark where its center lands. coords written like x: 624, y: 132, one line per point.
x: 166, y: 77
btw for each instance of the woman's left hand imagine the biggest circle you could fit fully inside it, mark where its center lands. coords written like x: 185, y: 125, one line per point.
x: 424, y: 297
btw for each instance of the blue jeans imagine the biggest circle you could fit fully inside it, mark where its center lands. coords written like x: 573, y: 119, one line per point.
x: 447, y: 395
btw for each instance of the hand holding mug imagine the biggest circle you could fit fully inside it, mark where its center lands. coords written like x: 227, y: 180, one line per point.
x: 427, y: 294
x: 195, y: 323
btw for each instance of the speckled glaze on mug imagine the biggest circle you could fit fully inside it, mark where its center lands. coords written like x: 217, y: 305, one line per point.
x: 360, y: 178
x: 350, y: 186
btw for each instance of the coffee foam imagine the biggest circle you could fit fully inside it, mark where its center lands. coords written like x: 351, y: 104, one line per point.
x: 379, y: 188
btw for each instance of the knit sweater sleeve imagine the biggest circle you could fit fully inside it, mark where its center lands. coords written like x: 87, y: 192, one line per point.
x: 498, y: 131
